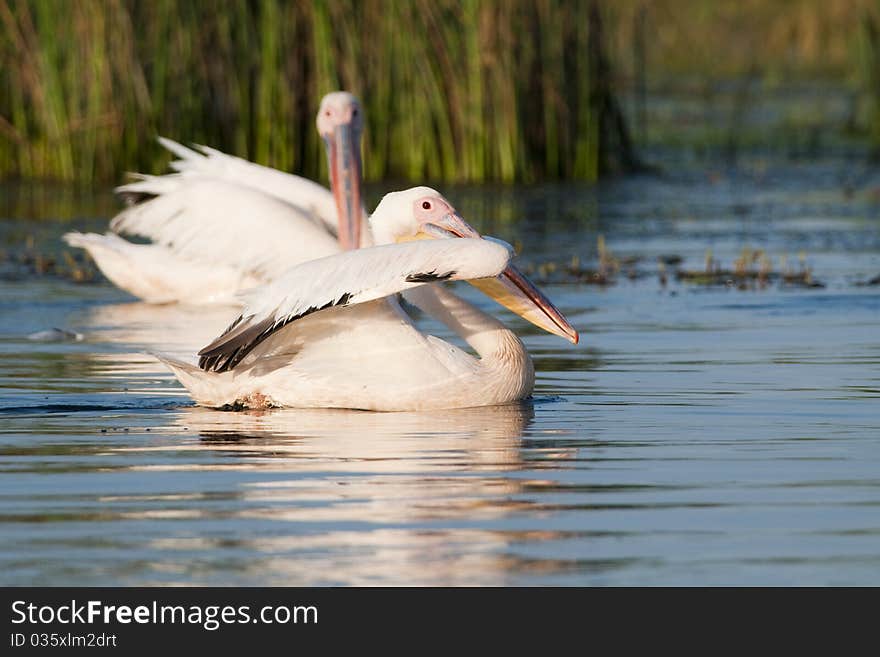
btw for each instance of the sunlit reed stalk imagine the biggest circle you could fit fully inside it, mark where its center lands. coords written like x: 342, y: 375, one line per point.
x: 456, y: 90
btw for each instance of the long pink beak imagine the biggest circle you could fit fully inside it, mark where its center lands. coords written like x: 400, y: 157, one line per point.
x: 344, y: 163
x: 512, y: 288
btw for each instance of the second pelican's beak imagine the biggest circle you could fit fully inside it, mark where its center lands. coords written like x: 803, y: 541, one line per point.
x: 344, y: 163
x: 512, y: 289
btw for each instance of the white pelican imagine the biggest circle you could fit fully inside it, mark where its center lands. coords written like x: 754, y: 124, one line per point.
x: 329, y: 332
x: 223, y: 224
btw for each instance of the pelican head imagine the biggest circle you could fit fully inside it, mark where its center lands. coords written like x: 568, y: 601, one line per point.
x: 340, y: 123
x: 423, y: 213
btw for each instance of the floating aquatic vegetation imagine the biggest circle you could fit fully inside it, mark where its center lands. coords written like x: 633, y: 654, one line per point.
x: 753, y: 269
x: 28, y: 260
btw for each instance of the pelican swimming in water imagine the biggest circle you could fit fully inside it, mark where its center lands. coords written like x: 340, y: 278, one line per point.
x: 222, y: 224
x: 330, y: 333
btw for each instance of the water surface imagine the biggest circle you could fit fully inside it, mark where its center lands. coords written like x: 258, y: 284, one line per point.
x: 697, y: 435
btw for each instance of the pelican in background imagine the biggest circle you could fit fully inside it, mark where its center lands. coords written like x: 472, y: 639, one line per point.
x: 330, y: 333
x: 222, y: 224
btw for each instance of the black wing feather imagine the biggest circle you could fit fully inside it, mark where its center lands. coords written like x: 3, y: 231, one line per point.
x: 243, y: 335
x: 429, y: 277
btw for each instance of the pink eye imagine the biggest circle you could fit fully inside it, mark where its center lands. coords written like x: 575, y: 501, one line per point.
x: 426, y: 205
x: 326, y: 112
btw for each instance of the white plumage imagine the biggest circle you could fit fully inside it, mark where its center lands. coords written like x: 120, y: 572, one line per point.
x: 209, y: 163
x: 370, y: 274
x: 217, y: 221
x: 329, y: 333
x: 156, y: 274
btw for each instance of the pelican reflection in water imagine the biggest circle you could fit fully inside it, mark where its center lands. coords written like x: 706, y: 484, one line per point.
x: 373, y: 494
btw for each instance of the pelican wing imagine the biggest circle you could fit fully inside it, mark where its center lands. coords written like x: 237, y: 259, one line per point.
x: 211, y: 163
x: 205, y: 163
x: 209, y: 221
x: 351, y: 278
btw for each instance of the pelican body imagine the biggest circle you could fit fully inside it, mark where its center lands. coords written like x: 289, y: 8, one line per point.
x: 222, y: 224
x: 330, y: 333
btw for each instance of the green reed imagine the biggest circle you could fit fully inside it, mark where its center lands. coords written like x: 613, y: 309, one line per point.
x: 456, y: 90
x: 869, y: 59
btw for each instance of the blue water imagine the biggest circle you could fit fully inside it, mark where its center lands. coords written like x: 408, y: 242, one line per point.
x: 697, y: 435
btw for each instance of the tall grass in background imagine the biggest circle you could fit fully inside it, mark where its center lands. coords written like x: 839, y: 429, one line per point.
x: 458, y: 90
x: 787, y: 39
x: 870, y: 68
